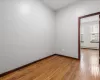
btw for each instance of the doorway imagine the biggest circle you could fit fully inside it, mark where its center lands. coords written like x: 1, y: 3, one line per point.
x: 89, y: 35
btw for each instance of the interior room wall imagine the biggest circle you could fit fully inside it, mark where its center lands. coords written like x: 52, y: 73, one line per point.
x: 67, y: 25
x: 27, y: 32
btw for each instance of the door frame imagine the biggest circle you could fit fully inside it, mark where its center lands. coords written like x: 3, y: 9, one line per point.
x: 79, y: 20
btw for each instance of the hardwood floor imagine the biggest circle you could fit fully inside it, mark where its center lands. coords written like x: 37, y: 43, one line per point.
x: 60, y: 68
x: 90, y: 64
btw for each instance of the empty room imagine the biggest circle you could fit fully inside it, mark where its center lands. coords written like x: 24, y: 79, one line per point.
x: 49, y: 39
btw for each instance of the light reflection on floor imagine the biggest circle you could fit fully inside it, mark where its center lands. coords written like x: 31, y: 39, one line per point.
x: 90, y: 63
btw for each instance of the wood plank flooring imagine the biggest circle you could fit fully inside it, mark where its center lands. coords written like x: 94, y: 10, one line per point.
x: 59, y: 68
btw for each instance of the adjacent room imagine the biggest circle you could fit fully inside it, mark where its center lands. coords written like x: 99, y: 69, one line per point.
x: 89, y: 36
x: 49, y: 39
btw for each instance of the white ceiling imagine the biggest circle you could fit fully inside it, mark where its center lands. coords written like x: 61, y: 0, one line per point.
x: 57, y: 4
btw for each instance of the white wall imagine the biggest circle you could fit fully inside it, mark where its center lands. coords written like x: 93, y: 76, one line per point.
x: 26, y: 32
x: 67, y: 25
